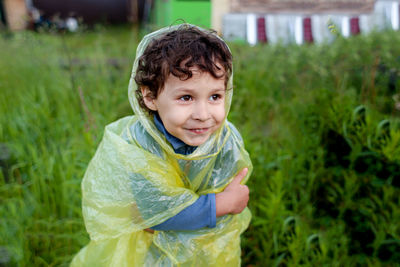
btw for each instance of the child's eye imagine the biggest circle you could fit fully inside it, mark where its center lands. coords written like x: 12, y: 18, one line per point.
x: 185, y: 98
x: 215, y: 97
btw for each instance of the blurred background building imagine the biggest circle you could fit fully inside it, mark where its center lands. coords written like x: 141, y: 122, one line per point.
x: 302, y: 21
x: 253, y: 21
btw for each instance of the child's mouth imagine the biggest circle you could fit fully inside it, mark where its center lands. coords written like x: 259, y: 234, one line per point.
x: 198, y: 130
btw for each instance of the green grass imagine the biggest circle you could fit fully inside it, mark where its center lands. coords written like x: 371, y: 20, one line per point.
x: 325, y: 189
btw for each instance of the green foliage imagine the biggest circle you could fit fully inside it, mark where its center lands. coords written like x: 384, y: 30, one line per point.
x: 321, y: 123
x: 57, y: 93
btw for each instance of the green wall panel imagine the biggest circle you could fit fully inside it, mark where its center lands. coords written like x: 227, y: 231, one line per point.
x: 191, y: 11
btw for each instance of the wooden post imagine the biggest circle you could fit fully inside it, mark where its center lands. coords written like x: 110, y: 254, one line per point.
x: 218, y: 9
x: 16, y: 14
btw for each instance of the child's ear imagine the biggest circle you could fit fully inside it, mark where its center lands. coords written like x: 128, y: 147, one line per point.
x: 148, y: 98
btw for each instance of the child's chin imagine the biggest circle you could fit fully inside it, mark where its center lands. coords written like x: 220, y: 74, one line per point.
x: 197, y: 141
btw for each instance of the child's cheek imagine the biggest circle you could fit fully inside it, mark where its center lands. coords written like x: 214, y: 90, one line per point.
x: 220, y: 114
x: 179, y: 114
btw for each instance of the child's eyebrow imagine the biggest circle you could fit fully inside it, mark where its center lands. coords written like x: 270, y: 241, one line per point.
x: 184, y: 89
x: 218, y: 90
x: 190, y: 90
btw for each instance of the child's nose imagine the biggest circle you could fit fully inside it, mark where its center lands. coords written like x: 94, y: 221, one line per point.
x: 200, y: 111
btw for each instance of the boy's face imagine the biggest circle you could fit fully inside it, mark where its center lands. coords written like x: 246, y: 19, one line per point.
x: 190, y: 110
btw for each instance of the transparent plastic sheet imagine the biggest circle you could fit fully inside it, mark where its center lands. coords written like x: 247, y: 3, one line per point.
x: 135, y: 181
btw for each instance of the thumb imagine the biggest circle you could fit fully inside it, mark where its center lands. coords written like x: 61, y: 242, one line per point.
x: 239, y: 177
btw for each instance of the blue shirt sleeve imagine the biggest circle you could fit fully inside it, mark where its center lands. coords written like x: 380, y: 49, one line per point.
x: 200, y: 214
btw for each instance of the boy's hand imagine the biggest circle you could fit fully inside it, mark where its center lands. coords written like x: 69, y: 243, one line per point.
x: 234, y: 198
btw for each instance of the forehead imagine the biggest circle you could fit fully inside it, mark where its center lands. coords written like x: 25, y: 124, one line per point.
x: 197, y: 76
x: 200, y: 81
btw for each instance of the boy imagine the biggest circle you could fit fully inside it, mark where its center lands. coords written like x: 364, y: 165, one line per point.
x: 176, y: 167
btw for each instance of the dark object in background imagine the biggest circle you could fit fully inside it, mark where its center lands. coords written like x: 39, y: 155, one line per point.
x: 360, y: 232
x: 337, y: 149
x: 5, y: 259
x: 2, y: 15
x: 389, y: 250
x: 94, y: 11
x: 40, y: 21
x: 5, y: 162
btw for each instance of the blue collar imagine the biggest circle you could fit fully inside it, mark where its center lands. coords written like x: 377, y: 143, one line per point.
x: 178, y: 145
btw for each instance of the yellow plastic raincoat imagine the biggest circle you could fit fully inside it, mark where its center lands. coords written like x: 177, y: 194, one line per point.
x: 136, y: 181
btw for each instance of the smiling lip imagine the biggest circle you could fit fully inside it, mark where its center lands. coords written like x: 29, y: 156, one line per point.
x: 198, y: 130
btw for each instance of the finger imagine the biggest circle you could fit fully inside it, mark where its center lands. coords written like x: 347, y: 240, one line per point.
x: 246, y: 189
x: 239, y: 177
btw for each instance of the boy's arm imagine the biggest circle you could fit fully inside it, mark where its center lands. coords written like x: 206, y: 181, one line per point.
x: 198, y: 215
x: 204, y: 211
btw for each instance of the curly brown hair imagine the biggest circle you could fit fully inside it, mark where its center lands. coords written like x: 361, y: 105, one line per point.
x: 176, y: 52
